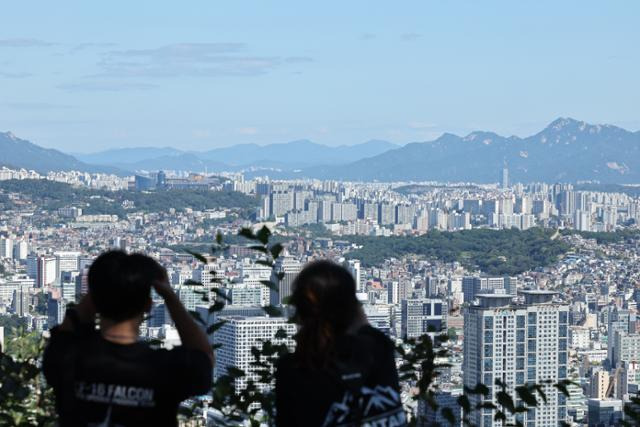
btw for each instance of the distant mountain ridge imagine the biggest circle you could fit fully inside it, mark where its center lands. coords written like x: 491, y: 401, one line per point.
x: 20, y: 153
x: 291, y: 155
x: 566, y: 150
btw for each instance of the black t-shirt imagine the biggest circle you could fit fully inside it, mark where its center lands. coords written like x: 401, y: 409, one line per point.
x: 100, y: 383
x: 361, y: 387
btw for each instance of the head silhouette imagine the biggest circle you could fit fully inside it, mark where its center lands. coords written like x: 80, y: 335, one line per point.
x: 324, y: 297
x: 120, y: 284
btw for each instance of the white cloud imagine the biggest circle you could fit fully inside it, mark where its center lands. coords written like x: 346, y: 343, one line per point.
x: 191, y: 59
x: 248, y: 131
x: 110, y: 86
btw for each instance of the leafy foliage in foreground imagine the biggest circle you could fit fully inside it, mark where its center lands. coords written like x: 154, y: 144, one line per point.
x: 496, y: 252
x: 24, y: 397
x: 419, y: 368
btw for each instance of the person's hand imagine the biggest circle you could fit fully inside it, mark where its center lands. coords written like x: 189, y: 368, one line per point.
x: 162, y: 285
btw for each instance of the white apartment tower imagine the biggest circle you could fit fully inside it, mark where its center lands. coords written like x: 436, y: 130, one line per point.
x: 517, y: 344
x: 239, y: 334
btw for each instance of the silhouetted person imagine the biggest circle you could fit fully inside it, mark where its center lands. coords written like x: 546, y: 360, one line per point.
x: 107, y: 377
x: 342, y: 372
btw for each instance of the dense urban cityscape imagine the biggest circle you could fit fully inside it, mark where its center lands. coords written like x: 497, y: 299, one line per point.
x: 568, y: 313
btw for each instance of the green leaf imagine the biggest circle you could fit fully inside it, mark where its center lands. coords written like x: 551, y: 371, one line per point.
x: 217, y: 306
x: 526, y: 396
x: 197, y: 256
x: 281, y: 334
x: 464, y: 403
x: 221, y: 294
x: 269, y: 284
x: 276, y: 250
x: 448, y: 415
x: 263, y: 235
x: 234, y: 372
x: 211, y: 329
x: 272, y: 311
x: 197, y: 317
x: 248, y: 233
x: 504, y: 400
x: 259, y: 248
x: 265, y: 263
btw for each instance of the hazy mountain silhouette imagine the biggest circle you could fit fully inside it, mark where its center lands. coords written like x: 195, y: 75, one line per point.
x: 290, y: 155
x: 566, y: 150
x: 20, y: 153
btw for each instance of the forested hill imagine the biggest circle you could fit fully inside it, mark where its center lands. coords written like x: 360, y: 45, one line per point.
x: 51, y: 195
x: 495, y: 252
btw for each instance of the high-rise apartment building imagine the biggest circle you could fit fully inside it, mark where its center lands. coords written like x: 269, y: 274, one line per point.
x: 281, y: 202
x: 517, y: 344
x: 239, y: 334
x: 21, y: 299
x: 599, y: 385
x: 618, y: 320
x: 6, y: 247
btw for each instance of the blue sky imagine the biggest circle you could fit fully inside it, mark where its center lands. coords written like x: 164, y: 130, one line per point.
x: 84, y: 76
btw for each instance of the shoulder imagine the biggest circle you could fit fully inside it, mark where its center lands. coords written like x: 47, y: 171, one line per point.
x: 374, y: 337
x: 181, y: 355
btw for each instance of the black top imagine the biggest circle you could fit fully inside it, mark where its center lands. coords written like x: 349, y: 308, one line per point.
x: 100, y: 383
x: 360, y: 387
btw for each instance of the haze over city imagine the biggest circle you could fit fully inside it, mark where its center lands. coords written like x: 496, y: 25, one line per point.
x: 83, y: 77
x: 320, y: 215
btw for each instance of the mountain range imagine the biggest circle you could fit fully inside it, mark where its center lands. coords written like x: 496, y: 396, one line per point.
x: 290, y: 155
x: 20, y: 153
x: 566, y: 150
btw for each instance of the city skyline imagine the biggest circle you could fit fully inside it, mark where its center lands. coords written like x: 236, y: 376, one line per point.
x: 208, y: 78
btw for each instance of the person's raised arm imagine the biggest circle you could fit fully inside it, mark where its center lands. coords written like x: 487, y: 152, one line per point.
x: 191, y: 335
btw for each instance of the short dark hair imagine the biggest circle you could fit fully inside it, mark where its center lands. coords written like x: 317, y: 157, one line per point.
x: 120, y: 284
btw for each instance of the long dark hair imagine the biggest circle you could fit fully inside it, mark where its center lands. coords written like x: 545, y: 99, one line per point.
x: 324, y: 297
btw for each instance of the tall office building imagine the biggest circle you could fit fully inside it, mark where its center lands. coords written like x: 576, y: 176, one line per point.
x: 447, y: 398
x: 618, y: 320
x: 599, y: 385
x: 238, y: 335
x: 474, y: 285
x: 626, y: 348
x: 68, y: 289
x: 6, y: 247
x: 20, y: 250
x: 422, y: 316
x: 353, y: 265
x: 517, y: 344
x: 45, y: 271
x: 55, y: 311
x: 505, y: 177
x: 66, y: 261
x: 288, y: 267
x: 21, y: 299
